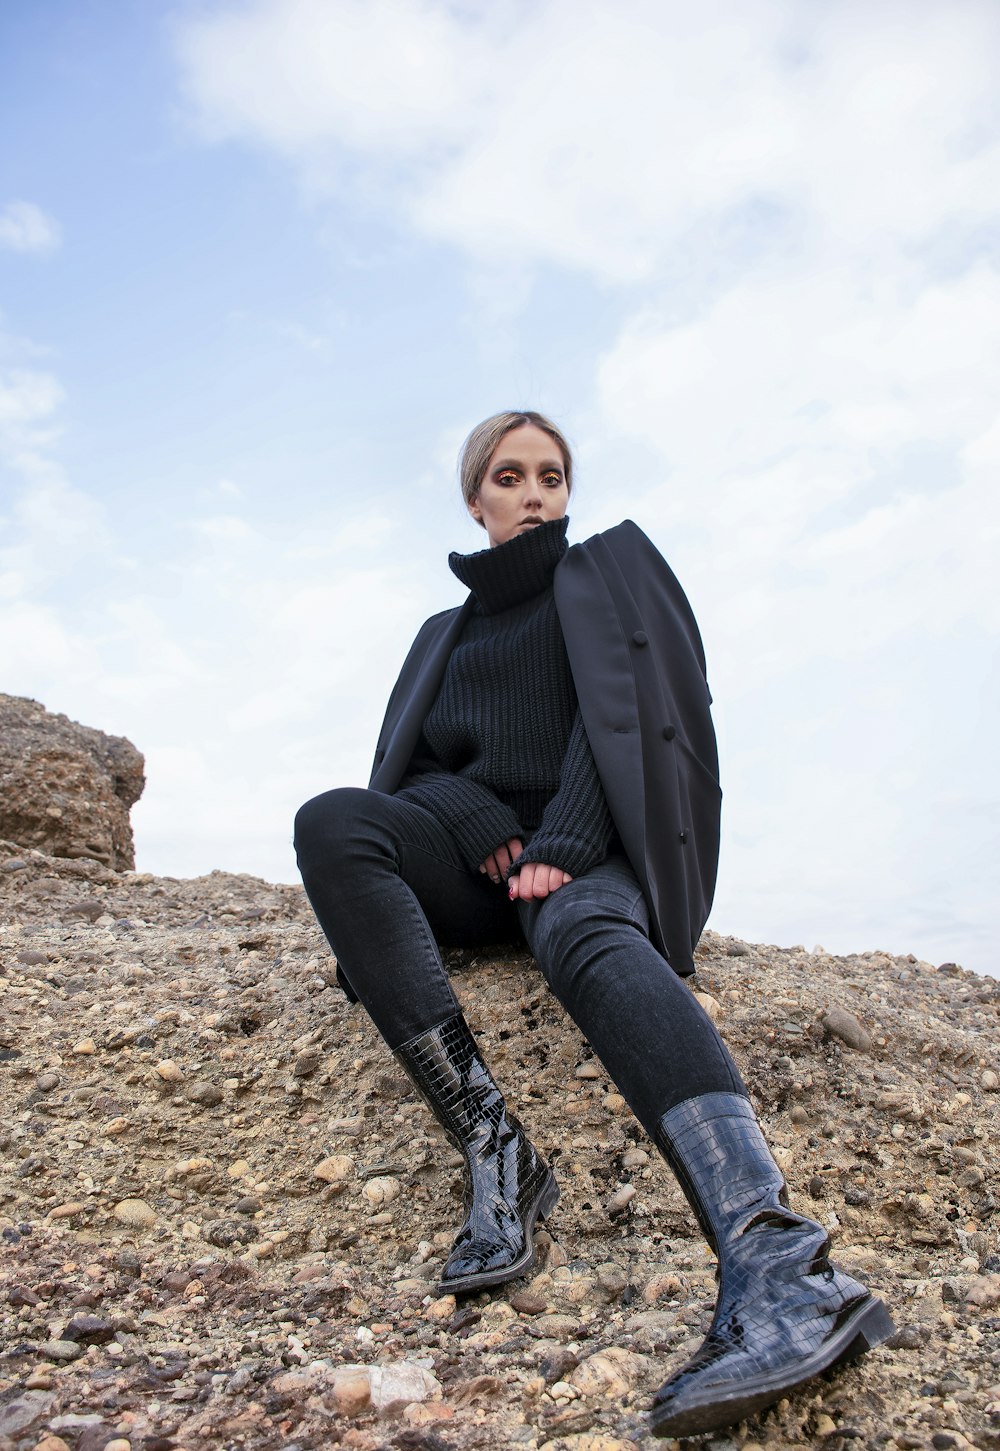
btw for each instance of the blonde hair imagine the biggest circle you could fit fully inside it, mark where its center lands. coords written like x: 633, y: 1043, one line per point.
x: 481, y: 444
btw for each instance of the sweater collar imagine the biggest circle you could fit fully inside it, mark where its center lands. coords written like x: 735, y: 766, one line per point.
x: 515, y: 571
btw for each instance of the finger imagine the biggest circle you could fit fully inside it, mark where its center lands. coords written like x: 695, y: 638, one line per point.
x: 492, y: 870
x: 503, y: 859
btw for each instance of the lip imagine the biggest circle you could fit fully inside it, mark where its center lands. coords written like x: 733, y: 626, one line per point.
x: 533, y: 520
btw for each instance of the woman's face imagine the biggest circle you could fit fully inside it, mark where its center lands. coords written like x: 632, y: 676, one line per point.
x: 524, y: 485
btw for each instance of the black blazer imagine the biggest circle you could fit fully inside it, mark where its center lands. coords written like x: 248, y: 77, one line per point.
x: 639, y: 671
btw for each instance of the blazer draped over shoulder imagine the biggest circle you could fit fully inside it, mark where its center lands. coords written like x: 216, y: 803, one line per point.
x: 639, y: 671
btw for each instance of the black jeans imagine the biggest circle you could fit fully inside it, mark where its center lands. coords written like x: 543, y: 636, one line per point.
x: 388, y: 885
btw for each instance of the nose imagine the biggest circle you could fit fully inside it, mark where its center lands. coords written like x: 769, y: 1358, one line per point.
x: 532, y: 492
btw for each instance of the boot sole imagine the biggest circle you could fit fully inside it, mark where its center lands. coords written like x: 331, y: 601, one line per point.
x: 543, y: 1205
x: 867, y: 1327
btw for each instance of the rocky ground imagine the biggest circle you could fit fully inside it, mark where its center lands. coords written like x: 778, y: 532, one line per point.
x: 223, y: 1210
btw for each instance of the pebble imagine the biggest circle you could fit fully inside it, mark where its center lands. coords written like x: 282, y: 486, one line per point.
x: 86, y: 1047
x: 442, y: 1309
x: 839, y: 1023
x: 526, y: 1303
x: 589, y: 1070
x: 24, y: 1411
x: 46, y: 1082
x: 168, y: 1070
x: 610, y: 1372
x: 984, y: 1291
x: 711, y: 1005
x: 382, y: 1190
x: 206, y: 1094
x: 352, y: 1392
x: 61, y: 1350
x: 621, y: 1198
x: 136, y: 1213
x: 990, y: 1080
x: 66, y: 1211
x: 335, y: 1169
x: 53, y: 1443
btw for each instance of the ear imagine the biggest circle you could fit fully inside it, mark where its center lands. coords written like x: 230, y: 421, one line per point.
x: 475, y: 509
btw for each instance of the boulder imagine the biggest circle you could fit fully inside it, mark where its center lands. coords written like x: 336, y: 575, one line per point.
x: 66, y: 789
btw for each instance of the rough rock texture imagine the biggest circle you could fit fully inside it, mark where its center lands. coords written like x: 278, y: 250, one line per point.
x: 64, y: 788
x: 223, y: 1210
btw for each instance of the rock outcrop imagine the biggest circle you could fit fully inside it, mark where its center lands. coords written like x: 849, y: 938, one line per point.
x: 223, y: 1209
x: 66, y: 789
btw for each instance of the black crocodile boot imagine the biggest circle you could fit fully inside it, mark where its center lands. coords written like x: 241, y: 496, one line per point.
x: 784, y: 1313
x: 508, y: 1184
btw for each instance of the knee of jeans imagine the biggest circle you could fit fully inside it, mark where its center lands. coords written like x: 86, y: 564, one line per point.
x: 325, y: 825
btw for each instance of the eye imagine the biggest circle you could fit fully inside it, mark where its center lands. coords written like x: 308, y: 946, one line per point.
x: 552, y: 481
x: 506, y: 478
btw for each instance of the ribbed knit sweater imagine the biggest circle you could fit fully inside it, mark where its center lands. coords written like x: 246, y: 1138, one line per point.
x: 504, y: 752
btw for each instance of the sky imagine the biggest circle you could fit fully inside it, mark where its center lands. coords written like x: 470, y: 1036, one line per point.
x: 262, y: 267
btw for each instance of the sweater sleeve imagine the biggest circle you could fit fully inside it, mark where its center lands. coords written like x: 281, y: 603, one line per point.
x: 576, y: 826
x: 477, y: 820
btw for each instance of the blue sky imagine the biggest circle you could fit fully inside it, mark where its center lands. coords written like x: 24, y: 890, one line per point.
x: 263, y: 265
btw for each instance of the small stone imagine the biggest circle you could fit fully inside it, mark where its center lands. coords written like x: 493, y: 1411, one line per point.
x: 167, y: 1070
x: 53, y: 1443
x: 61, y: 1350
x: 335, y: 1169
x: 204, y: 1093
x: 397, y: 1384
x: 526, y: 1303
x: 118, y: 1443
x: 382, y: 1190
x: 85, y: 1047
x: 737, y: 949
x: 24, y: 1411
x: 824, y: 1425
x: 620, y: 1199
x: 609, y: 1372
x: 588, y: 1070
x: 839, y: 1023
x: 990, y: 1080
x: 46, y: 1082
x: 351, y: 1389
x: 711, y: 1005
x: 635, y: 1159
x: 136, y: 1213
x: 441, y: 1310
x: 306, y: 1064
x: 799, y: 1115
x: 238, y: 1169
x: 65, y: 1211
x: 984, y: 1291
x: 89, y: 1330
x: 662, y: 1287
x: 19, y: 1295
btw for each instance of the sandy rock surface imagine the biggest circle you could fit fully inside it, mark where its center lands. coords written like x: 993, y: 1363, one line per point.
x: 223, y: 1210
x: 65, y: 788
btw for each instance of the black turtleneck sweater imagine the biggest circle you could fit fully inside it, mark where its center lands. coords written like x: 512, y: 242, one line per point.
x: 504, y: 753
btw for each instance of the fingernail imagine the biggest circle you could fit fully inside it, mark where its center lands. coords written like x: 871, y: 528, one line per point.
x: 495, y: 879
x: 510, y: 890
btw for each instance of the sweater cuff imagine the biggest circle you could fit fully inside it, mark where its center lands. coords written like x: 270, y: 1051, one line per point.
x: 477, y: 821
x: 572, y: 854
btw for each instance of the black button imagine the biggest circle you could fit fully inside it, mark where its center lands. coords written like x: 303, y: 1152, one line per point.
x: 668, y: 733
x: 682, y: 836
x: 640, y: 638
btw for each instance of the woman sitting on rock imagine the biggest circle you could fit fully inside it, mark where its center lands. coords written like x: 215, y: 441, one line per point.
x: 547, y: 772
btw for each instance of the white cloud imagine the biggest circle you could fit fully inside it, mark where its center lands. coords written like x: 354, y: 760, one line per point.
x: 24, y: 227
x: 621, y: 140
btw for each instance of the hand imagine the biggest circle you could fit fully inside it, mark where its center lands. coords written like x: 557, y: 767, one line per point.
x: 498, y: 863
x: 535, y: 879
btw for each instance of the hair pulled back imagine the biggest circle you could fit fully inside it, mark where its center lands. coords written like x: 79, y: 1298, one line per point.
x: 481, y: 444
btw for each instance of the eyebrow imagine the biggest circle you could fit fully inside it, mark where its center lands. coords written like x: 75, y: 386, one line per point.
x: 514, y: 463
